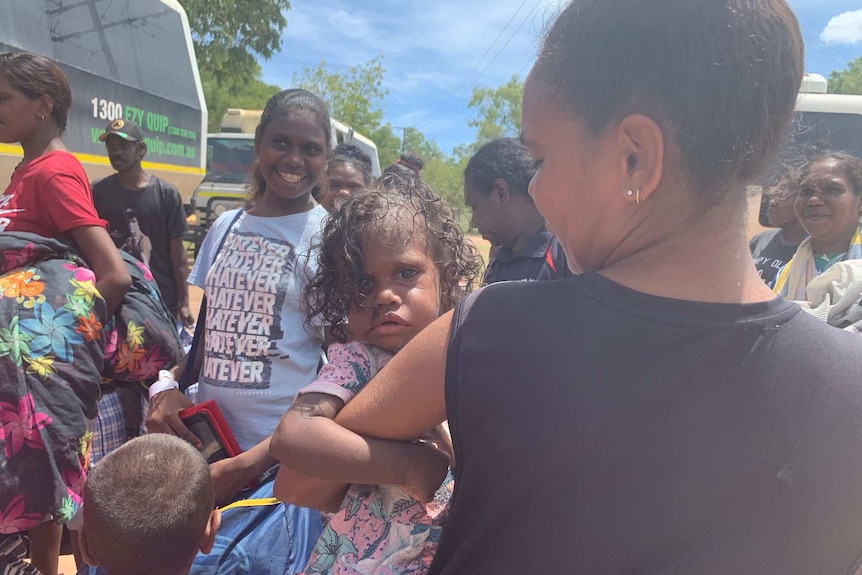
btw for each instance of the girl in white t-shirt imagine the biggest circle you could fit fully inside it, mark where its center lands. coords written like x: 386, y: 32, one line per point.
x: 253, y: 265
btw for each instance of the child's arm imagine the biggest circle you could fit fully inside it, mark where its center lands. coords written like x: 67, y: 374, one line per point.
x: 298, y: 488
x: 323, y: 455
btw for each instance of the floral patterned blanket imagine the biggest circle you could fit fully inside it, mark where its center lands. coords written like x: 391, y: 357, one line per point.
x: 55, y: 345
x: 141, y: 338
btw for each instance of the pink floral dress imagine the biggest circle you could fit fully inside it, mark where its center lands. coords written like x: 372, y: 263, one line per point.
x: 380, y: 529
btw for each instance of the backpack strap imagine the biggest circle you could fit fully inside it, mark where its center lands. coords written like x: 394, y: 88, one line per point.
x: 189, y: 371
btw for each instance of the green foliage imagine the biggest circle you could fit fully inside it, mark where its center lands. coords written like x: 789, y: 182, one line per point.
x: 251, y: 96
x: 416, y: 143
x: 354, y: 95
x: 847, y: 81
x: 498, y: 111
x: 229, y: 36
x: 255, y: 96
x: 445, y: 175
x: 388, y: 144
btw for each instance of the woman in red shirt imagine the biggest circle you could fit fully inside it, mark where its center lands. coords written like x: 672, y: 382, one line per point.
x: 50, y: 194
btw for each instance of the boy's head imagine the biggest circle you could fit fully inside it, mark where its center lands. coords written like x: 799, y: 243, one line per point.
x: 149, y: 508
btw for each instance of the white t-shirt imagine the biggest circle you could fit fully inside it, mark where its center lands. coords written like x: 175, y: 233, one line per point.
x: 259, y: 349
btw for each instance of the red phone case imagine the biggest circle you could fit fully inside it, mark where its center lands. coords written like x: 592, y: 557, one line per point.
x: 219, y: 426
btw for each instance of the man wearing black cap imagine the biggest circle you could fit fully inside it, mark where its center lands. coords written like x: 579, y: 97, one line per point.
x: 145, y: 215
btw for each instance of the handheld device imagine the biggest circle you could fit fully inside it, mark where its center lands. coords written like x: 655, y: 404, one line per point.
x: 208, y: 424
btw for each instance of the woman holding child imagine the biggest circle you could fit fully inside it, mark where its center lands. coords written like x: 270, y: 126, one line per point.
x: 654, y: 413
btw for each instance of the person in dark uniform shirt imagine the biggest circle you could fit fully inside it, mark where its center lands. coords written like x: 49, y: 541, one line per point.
x: 495, y: 189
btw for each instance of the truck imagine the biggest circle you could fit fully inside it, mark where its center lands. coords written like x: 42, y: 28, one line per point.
x: 128, y: 60
x: 229, y: 161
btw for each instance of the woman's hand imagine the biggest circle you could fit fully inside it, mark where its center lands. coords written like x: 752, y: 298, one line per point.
x: 163, y: 416
x: 428, y: 472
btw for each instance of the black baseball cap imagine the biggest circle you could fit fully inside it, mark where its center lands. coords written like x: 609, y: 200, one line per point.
x: 125, y: 129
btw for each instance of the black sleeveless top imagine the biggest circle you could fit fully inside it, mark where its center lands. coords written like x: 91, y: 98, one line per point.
x: 601, y: 430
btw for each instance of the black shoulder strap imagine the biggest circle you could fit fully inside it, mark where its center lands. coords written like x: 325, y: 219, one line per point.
x: 188, y: 372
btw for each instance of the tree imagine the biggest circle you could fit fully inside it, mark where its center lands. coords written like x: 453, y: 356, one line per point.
x: 445, y: 175
x: 388, y: 144
x: 498, y: 111
x: 229, y: 36
x: 253, y: 96
x: 354, y: 95
x: 415, y: 142
x: 847, y: 81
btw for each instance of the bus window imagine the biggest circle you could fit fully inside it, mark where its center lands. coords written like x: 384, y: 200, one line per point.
x: 815, y: 132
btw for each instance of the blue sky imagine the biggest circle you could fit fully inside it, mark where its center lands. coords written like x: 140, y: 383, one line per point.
x: 436, y: 52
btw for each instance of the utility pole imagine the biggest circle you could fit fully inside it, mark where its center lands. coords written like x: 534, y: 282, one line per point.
x: 403, y: 137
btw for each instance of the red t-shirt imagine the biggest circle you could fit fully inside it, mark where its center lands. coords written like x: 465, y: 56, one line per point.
x: 49, y: 196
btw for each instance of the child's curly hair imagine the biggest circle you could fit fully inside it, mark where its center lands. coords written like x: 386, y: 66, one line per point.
x: 393, y: 210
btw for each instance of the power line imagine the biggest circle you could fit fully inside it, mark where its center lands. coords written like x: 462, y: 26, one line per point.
x: 441, y: 108
x: 500, y: 51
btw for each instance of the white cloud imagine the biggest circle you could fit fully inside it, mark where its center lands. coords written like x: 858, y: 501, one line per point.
x: 846, y: 28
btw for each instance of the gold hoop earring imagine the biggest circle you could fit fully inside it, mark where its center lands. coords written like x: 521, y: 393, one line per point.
x: 638, y: 197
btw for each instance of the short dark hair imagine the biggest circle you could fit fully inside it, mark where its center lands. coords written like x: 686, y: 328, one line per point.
x: 719, y: 76
x: 351, y: 155
x: 282, y: 104
x: 147, y: 504
x: 849, y: 164
x: 787, y: 176
x: 35, y: 76
x: 506, y: 159
x: 412, y: 161
x: 394, y: 208
x: 401, y: 171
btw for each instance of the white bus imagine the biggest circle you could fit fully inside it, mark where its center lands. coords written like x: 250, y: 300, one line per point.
x: 825, y: 121
x: 130, y: 60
